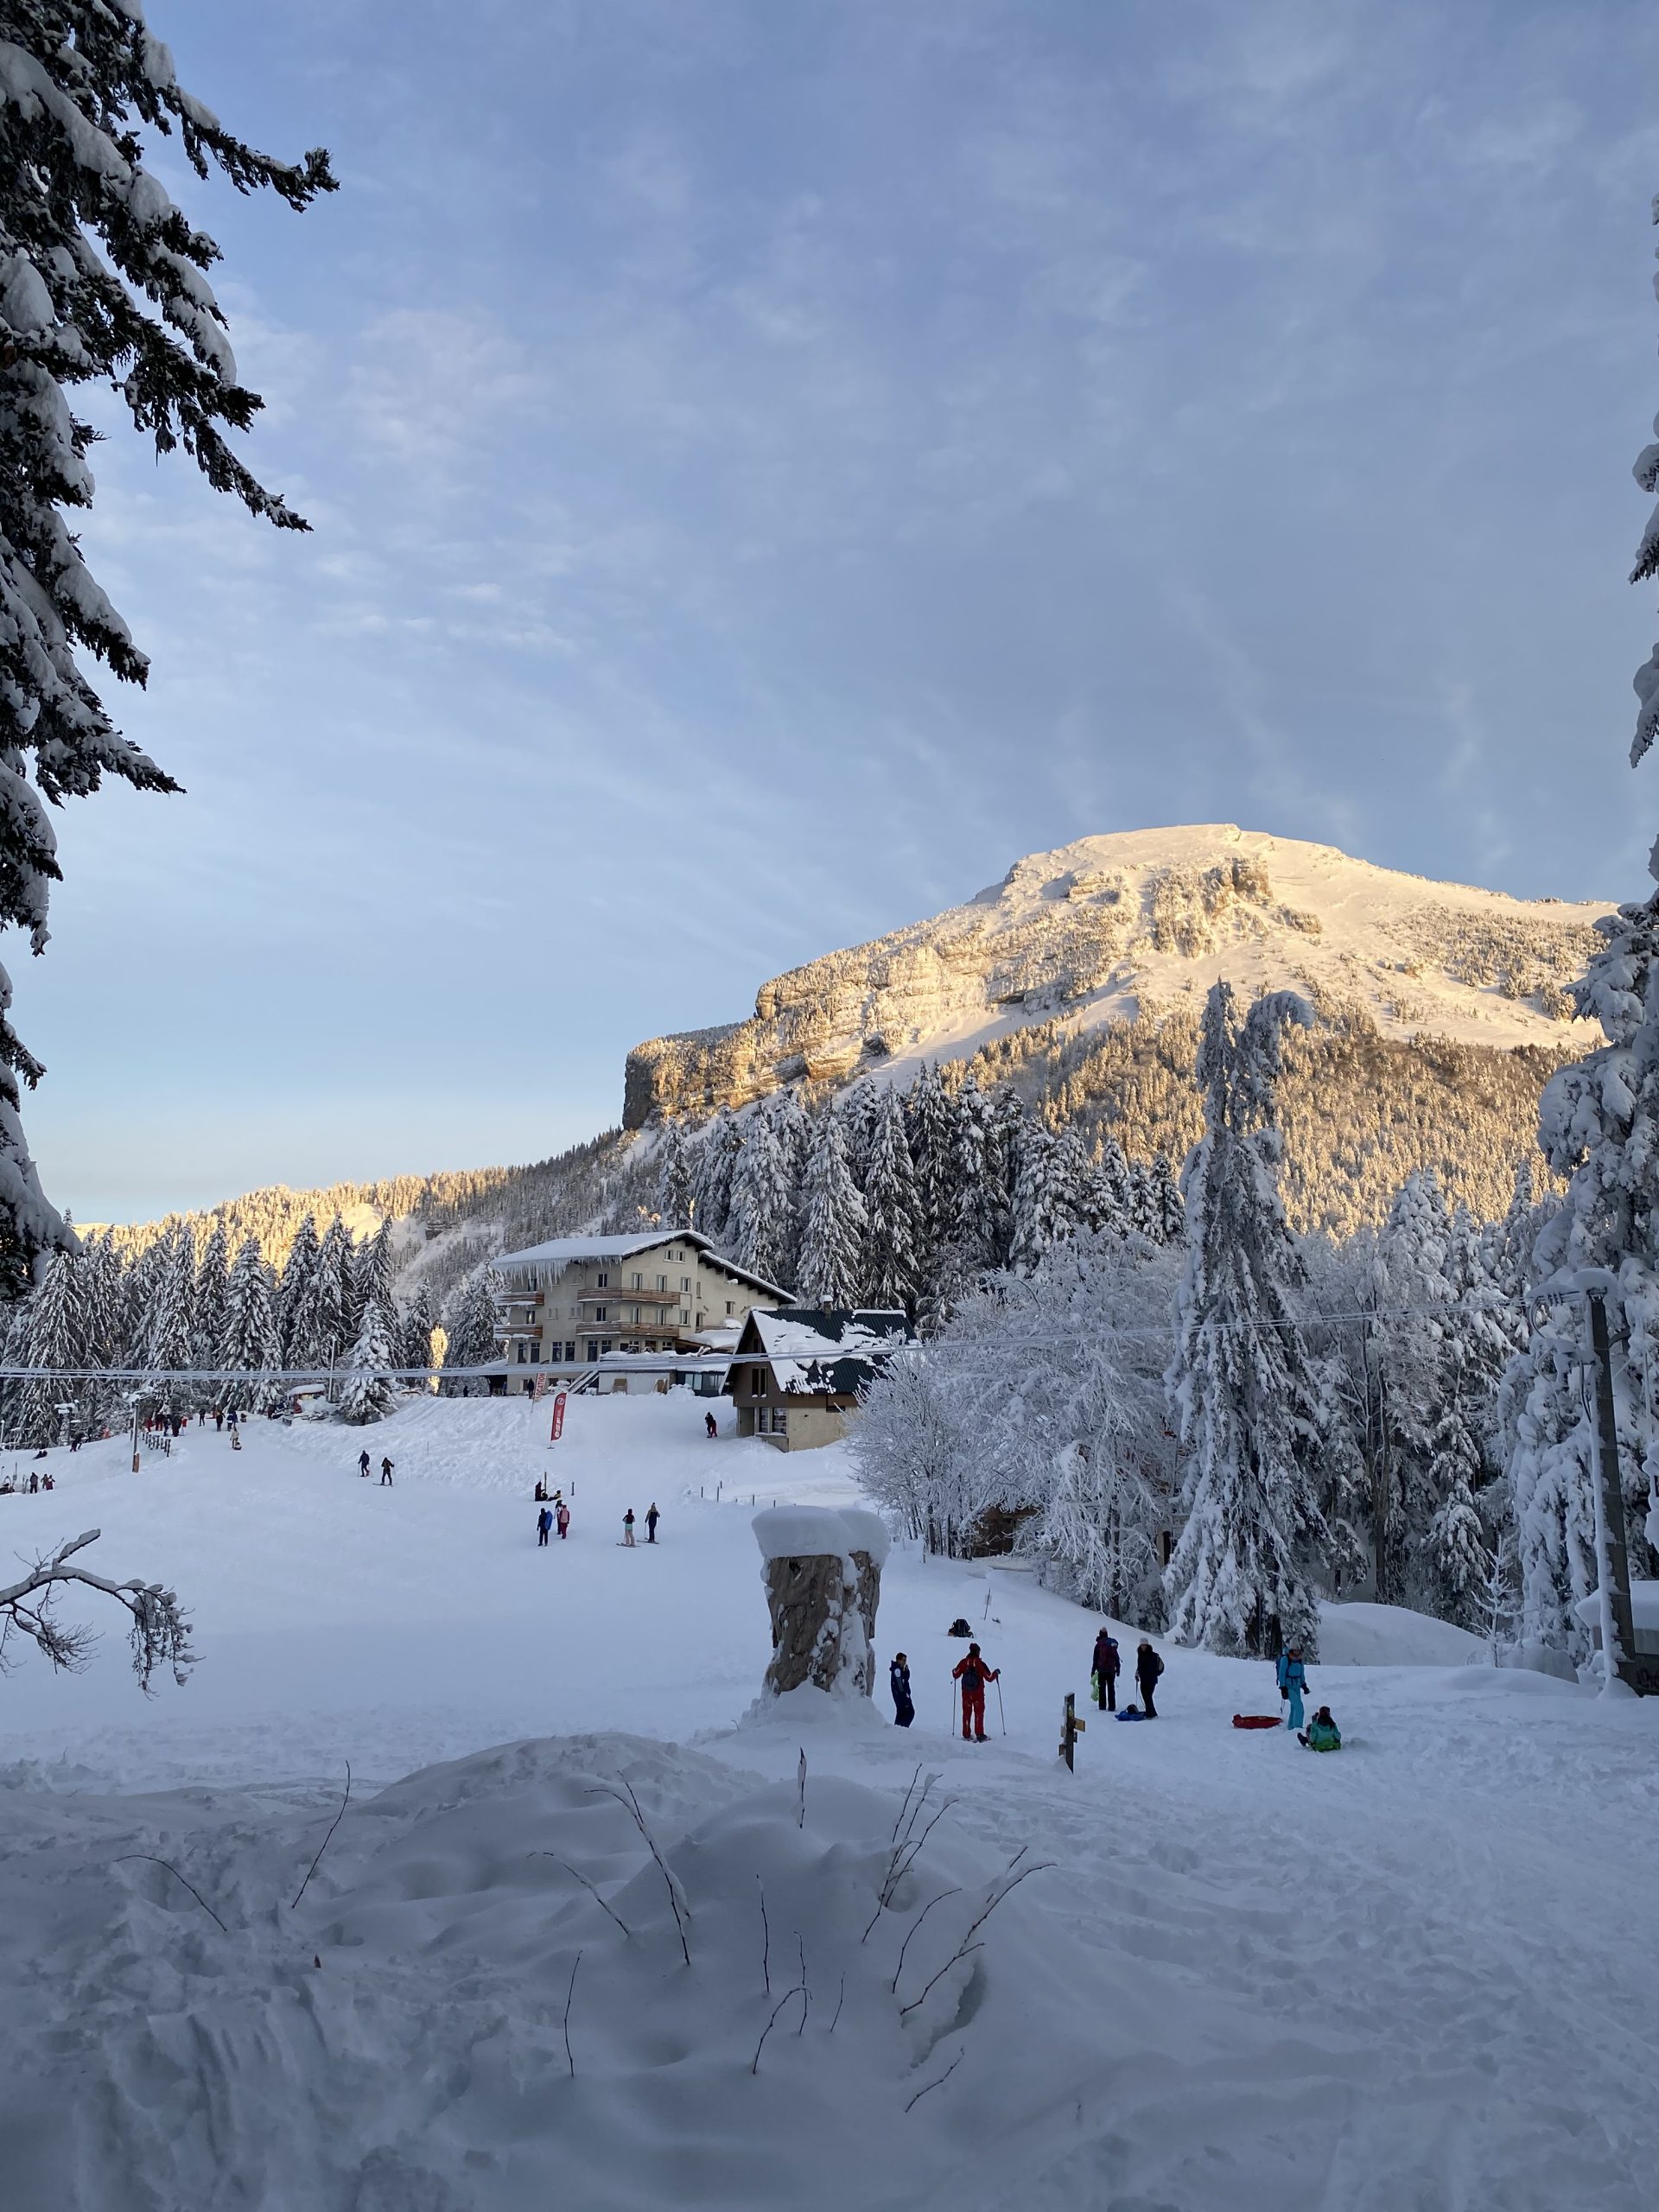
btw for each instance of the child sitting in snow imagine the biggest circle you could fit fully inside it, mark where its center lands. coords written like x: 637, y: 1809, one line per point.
x: 1321, y: 1733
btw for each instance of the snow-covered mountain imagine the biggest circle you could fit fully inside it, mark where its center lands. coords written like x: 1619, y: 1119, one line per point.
x: 1111, y: 927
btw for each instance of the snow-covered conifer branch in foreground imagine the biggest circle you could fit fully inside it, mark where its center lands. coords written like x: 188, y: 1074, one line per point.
x: 160, y: 1634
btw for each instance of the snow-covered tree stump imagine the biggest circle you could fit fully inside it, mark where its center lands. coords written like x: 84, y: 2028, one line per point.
x: 823, y: 1575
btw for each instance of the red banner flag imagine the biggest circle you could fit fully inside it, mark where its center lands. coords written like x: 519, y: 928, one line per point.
x: 539, y: 1390
x: 558, y: 1417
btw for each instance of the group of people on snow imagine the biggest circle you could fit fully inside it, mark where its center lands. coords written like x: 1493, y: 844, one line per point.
x: 555, y: 1513
x: 37, y: 1483
x: 974, y: 1671
x: 653, y: 1517
x: 363, y: 1466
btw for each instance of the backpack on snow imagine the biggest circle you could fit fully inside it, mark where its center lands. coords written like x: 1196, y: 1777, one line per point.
x: 959, y: 1627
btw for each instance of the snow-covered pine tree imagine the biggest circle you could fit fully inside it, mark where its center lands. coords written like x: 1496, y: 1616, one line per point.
x: 296, y: 1292
x: 1412, y: 1294
x: 718, y: 1151
x: 57, y: 1338
x: 102, y: 280
x: 469, y: 1323
x: 1598, y: 1125
x: 759, y: 1229
x: 416, y: 1328
x: 1046, y: 1194
x: 1009, y: 1122
x: 252, y: 1347
x: 171, y: 1341
x: 212, y: 1291
x: 978, y: 1236
x: 370, y: 1394
x: 100, y: 1273
x: 1170, y: 1206
x: 1240, y: 1381
x: 674, y: 1185
x: 833, y: 1227
x: 371, y: 1274
x: 893, y: 1227
x: 930, y: 1132
x: 320, y: 1322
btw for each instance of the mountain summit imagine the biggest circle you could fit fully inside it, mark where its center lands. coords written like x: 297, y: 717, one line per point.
x: 1110, y: 928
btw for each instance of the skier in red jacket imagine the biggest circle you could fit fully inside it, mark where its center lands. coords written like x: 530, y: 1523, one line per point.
x: 973, y: 1674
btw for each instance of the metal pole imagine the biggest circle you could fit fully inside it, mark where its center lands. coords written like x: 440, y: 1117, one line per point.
x: 1069, y: 1736
x: 1612, y: 1563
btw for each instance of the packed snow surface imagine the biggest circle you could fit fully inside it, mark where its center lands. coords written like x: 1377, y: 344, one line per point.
x: 1237, y: 1977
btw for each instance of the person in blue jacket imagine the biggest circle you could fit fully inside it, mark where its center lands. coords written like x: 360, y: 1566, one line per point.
x: 903, y: 1708
x: 1293, y: 1681
x: 543, y: 1522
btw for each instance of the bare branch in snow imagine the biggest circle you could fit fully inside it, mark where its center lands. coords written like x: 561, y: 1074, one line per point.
x: 160, y: 1634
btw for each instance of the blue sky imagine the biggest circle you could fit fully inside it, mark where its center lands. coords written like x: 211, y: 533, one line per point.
x: 774, y: 462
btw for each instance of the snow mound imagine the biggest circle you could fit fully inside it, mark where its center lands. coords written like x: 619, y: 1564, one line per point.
x: 1362, y: 1635
x: 597, y: 1971
x: 808, y: 1531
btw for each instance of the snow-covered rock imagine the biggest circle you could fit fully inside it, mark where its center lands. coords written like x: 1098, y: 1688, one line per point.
x: 1095, y: 930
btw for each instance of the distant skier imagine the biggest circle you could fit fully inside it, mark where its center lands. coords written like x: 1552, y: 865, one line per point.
x: 34, y: 1482
x: 363, y: 1462
x: 711, y: 1424
x: 386, y: 1473
x: 1107, y: 1667
x: 218, y: 1419
x: 1148, y: 1667
x: 904, y: 1708
x: 627, y: 1527
x: 541, y: 1490
x: 651, y: 1518
x: 1293, y: 1681
x: 973, y: 1673
x: 1321, y: 1733
x: 563, y: 1517
x: 543, y: 1524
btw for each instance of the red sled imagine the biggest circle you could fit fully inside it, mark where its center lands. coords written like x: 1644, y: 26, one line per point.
x: 1257, y: 1720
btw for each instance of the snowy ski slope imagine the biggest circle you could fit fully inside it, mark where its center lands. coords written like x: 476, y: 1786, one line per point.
x: 1250, y: 1978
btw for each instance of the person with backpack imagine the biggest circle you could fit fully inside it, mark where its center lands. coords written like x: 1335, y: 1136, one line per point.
x: 561, y: 1515
x: 1107, y: 1667
x: 711, y: 1427
x: 1321, y: 1733
x: 1148, y: 1667
x: 904, y: 1706
x: 386, y: 1473
x: 1293, y: 1681
x: 651, y: 1518
x: 973, y: 1673
x: 627, y: 1527
x: 543, y: 1524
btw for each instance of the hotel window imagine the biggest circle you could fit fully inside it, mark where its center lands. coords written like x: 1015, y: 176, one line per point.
x: 602, y: 1280
x: 602, y: 1312
x: 779, y: 1421
x: 636, y: 1317
x: 756, y: 1382
x: 729, y: 1306
x: 661, y: 1282
x: 685, y: 1285
x: 592, y: 1348
x: 638, y: 1283
x: 569, y: 1351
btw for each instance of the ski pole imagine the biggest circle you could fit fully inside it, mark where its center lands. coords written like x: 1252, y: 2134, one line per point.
x: 1002, y: 1715
x: 953, y: 1708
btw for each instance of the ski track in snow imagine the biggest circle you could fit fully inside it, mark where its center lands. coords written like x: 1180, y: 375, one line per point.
x: 1414, y: 1974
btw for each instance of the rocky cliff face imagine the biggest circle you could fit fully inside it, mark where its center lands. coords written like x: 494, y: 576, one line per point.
x: 1100, y: 929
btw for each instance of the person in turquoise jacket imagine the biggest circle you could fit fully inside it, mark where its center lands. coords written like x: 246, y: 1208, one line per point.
x: 1321, y: 1733
x: 1293, y: 1680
